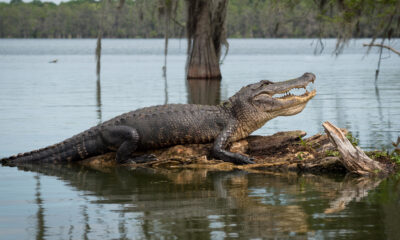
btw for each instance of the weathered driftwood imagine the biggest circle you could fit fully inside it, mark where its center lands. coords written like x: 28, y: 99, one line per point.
x: 352, y: 157
x: 282, y: 151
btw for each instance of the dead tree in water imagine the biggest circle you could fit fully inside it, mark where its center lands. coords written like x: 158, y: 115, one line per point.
x: 381, y: 46
x: 206, y: 33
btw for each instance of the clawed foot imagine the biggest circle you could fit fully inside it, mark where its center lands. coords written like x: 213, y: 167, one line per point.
x: 234, y: 158
x: 142, y: 159
x: 243, y: 160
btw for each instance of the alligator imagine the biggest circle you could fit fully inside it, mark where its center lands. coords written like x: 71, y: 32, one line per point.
x: 172, y: 124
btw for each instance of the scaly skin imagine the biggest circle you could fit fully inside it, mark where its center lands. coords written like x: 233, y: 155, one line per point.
x: 168, y: 125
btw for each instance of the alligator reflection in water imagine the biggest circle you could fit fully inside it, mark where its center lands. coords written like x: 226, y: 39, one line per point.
x: 204, y: 91
x: 202, y: 203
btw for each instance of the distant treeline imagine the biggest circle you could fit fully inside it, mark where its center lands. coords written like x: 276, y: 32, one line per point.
x: 141, y: 19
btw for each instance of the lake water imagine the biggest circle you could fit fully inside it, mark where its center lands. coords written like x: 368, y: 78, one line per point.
x: 42, y: 103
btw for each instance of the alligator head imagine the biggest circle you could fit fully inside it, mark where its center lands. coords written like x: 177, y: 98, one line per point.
x: 262, y: 101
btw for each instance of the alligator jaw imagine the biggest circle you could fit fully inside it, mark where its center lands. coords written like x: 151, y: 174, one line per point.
x: 297, y: 83
x: 293, y: 95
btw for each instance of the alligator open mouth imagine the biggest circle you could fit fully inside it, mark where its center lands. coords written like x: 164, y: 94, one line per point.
x: 292, y: 96
x: 297, y: 92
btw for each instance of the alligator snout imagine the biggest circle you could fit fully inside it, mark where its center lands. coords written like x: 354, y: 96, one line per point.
x: 310, y: 76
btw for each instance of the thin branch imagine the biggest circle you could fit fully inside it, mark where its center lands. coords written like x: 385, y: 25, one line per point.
x: 382, y: 46
x: 178, y: 23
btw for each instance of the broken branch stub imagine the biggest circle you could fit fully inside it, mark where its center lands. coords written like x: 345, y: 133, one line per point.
x: 352, y: 157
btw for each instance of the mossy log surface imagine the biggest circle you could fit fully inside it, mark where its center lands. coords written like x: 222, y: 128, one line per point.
x: 283, y: 151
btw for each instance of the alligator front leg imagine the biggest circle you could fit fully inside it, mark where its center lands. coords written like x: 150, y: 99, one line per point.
x: 221, y: 142
x: 125, y: 139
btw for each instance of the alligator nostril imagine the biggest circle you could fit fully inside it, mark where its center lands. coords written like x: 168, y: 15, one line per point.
x: 310, y: 75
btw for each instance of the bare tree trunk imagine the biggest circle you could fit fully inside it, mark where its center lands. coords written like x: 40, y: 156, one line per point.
x: 205, y: 29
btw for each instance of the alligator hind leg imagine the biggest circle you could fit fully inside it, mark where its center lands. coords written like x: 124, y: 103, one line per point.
x: 124, y: 138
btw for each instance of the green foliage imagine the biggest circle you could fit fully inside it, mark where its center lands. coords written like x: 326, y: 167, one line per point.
x: 352, y: 139
x: 79, y: 19
x: 331, y: 153
x: 245, y: 18
x: 355, y: 18
x: 302, y: 142
x: 379, y: 154
x: 393, y: 156
x: 16, y: 1
x: 307, y: 146
x: 300, y: 156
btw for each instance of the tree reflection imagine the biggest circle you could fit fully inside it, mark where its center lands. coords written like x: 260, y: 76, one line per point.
x: 98, y: 99
x: 41, y: 226
x: 204, y: 91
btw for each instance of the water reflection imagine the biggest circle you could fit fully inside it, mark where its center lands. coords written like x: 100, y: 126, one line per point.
x: 378, y: 99
x: 86, y: 228
x: 204, y: 91
x: 205, y: 204
x: 390, y: 196
x: 352, y: 190
x: 98, y: 99
x: 40, y: 227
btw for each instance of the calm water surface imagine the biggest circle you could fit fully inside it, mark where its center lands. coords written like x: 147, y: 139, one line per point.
x: 42, y: 103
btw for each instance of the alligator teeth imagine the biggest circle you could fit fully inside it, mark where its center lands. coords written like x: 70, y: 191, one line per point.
x: 310, y: 87
x: 297, y: 91
x: 300, y: 91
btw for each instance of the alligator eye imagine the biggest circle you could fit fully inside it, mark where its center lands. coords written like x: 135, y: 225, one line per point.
x: 262, y: 96
x: 266, y: 82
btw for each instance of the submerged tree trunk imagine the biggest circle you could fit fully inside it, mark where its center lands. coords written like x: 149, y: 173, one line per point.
x: 206, y: 32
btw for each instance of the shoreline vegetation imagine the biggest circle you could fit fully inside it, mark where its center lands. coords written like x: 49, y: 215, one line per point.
x: 141, y: 19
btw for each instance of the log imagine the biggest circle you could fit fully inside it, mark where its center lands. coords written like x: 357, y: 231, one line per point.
x: 352, y: 157
x: 283, y: 151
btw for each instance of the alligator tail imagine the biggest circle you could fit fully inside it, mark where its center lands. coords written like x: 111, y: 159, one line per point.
x: 66, y: 151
